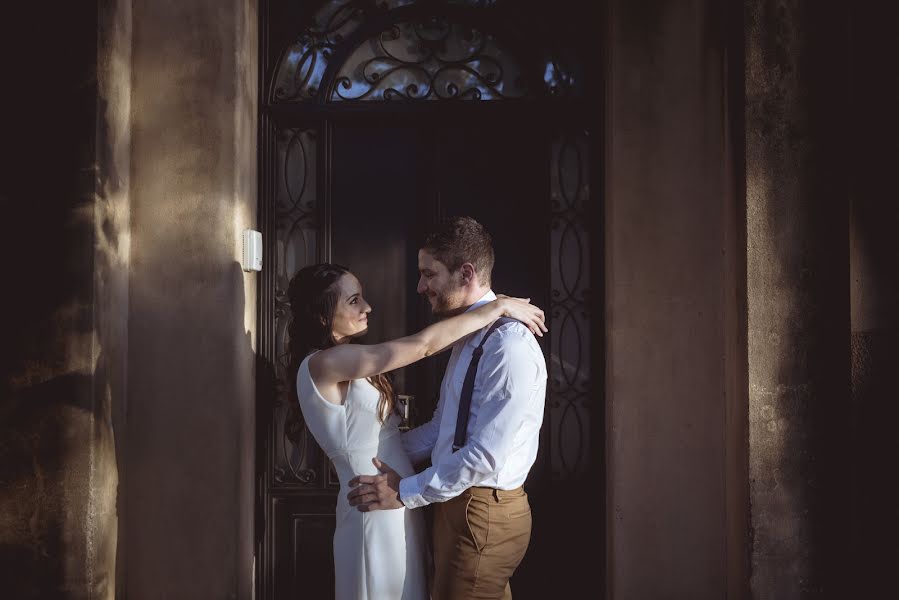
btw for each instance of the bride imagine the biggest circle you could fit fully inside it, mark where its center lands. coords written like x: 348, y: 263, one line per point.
x: 347, y: 403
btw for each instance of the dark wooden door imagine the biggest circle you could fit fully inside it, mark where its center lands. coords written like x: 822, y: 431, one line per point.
x: 390, y: 182
x: 429, y: 131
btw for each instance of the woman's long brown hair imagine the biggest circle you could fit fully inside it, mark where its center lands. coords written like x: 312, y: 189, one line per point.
x: 313, y: 297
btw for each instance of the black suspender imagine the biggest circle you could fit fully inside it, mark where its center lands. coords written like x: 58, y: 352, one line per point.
x: 468, y: 386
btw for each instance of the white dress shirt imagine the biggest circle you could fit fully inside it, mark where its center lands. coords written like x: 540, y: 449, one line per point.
x: 504, y: 427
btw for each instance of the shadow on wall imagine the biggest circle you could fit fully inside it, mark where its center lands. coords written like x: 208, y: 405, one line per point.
x: 59, y: 401
x: 58, y: 476
x: 190, y: 433
x: 37, y: 424
x: 872, y: 419
x: 53, y: 412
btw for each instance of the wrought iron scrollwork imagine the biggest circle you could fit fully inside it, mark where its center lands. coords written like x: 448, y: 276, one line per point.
x: 430, y: 59
x: 297, y: 458
x: 558, y: 79
x: 569, y: 389
x: 303, y: 64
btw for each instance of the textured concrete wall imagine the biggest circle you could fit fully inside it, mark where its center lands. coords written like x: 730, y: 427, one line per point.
x: 797, y: 214
x: 62, y: 356
x: 675, y: 402
x: 132, y: 133
x: 111, y: 260
x: 874, y: 293
x: 190, y: 421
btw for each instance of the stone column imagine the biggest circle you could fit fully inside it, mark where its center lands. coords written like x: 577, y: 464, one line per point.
x: 63, y: 192
x: 189, y: 493
x: 675, y: 374
x: 798, y: 269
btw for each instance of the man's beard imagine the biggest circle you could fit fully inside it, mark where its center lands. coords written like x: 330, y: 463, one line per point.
x: 447, y: 305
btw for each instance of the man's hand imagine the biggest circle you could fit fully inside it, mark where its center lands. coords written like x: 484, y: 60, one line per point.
x: 376, y: 492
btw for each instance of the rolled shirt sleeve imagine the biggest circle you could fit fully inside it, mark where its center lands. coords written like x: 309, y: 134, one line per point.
x: 507, y: 382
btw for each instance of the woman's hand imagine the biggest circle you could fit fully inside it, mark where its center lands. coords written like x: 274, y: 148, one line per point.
x: 522, y: 310
x: 346, y: 362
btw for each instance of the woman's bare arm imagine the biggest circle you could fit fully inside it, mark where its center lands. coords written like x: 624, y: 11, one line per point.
x: 357, y: 361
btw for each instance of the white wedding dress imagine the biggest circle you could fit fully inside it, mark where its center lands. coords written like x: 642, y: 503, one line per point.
x: 378, y: 555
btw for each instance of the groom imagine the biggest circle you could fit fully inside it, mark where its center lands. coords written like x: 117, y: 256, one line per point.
x: 482, y: 520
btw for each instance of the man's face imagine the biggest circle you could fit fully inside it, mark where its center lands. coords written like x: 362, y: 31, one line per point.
x: 442, y: 288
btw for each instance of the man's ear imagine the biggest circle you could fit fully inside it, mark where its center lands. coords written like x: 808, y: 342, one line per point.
x: 468, y: 273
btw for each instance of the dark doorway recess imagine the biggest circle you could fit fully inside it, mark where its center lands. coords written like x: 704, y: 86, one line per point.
x: 379, y: 119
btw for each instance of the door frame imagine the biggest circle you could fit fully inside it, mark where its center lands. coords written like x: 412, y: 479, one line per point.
x: 580, y: 115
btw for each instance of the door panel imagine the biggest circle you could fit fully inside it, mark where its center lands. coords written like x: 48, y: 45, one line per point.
x: 388, y: 182
x: 501, y: 179
x: 381, y: 200
x: 303, y: 538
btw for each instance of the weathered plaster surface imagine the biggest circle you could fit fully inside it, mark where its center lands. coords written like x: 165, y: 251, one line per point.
x: 671, y: 255
x: 798, y: 343
x: 58, y: 463
x: 112, y: 234
x: 131, y: 340
x: 190, y: 424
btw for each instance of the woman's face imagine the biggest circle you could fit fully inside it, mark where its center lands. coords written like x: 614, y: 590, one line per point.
x: 351, y: 312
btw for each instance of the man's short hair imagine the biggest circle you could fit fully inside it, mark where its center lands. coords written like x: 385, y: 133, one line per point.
x: 462, y: 240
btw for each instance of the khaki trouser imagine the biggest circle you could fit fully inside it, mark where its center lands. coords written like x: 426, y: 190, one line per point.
x: 480, y: 538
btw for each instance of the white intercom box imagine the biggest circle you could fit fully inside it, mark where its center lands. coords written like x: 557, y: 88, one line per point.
x: 251, y: 257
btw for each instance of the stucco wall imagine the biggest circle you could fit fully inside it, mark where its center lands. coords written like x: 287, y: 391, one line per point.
x: 130, y: 173
x: 62, y: 362
x: 798, y: 273
x: 675, y: 405
x: 190, y: 422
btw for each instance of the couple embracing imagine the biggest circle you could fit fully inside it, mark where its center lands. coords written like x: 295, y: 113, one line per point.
x: 482, y: 440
